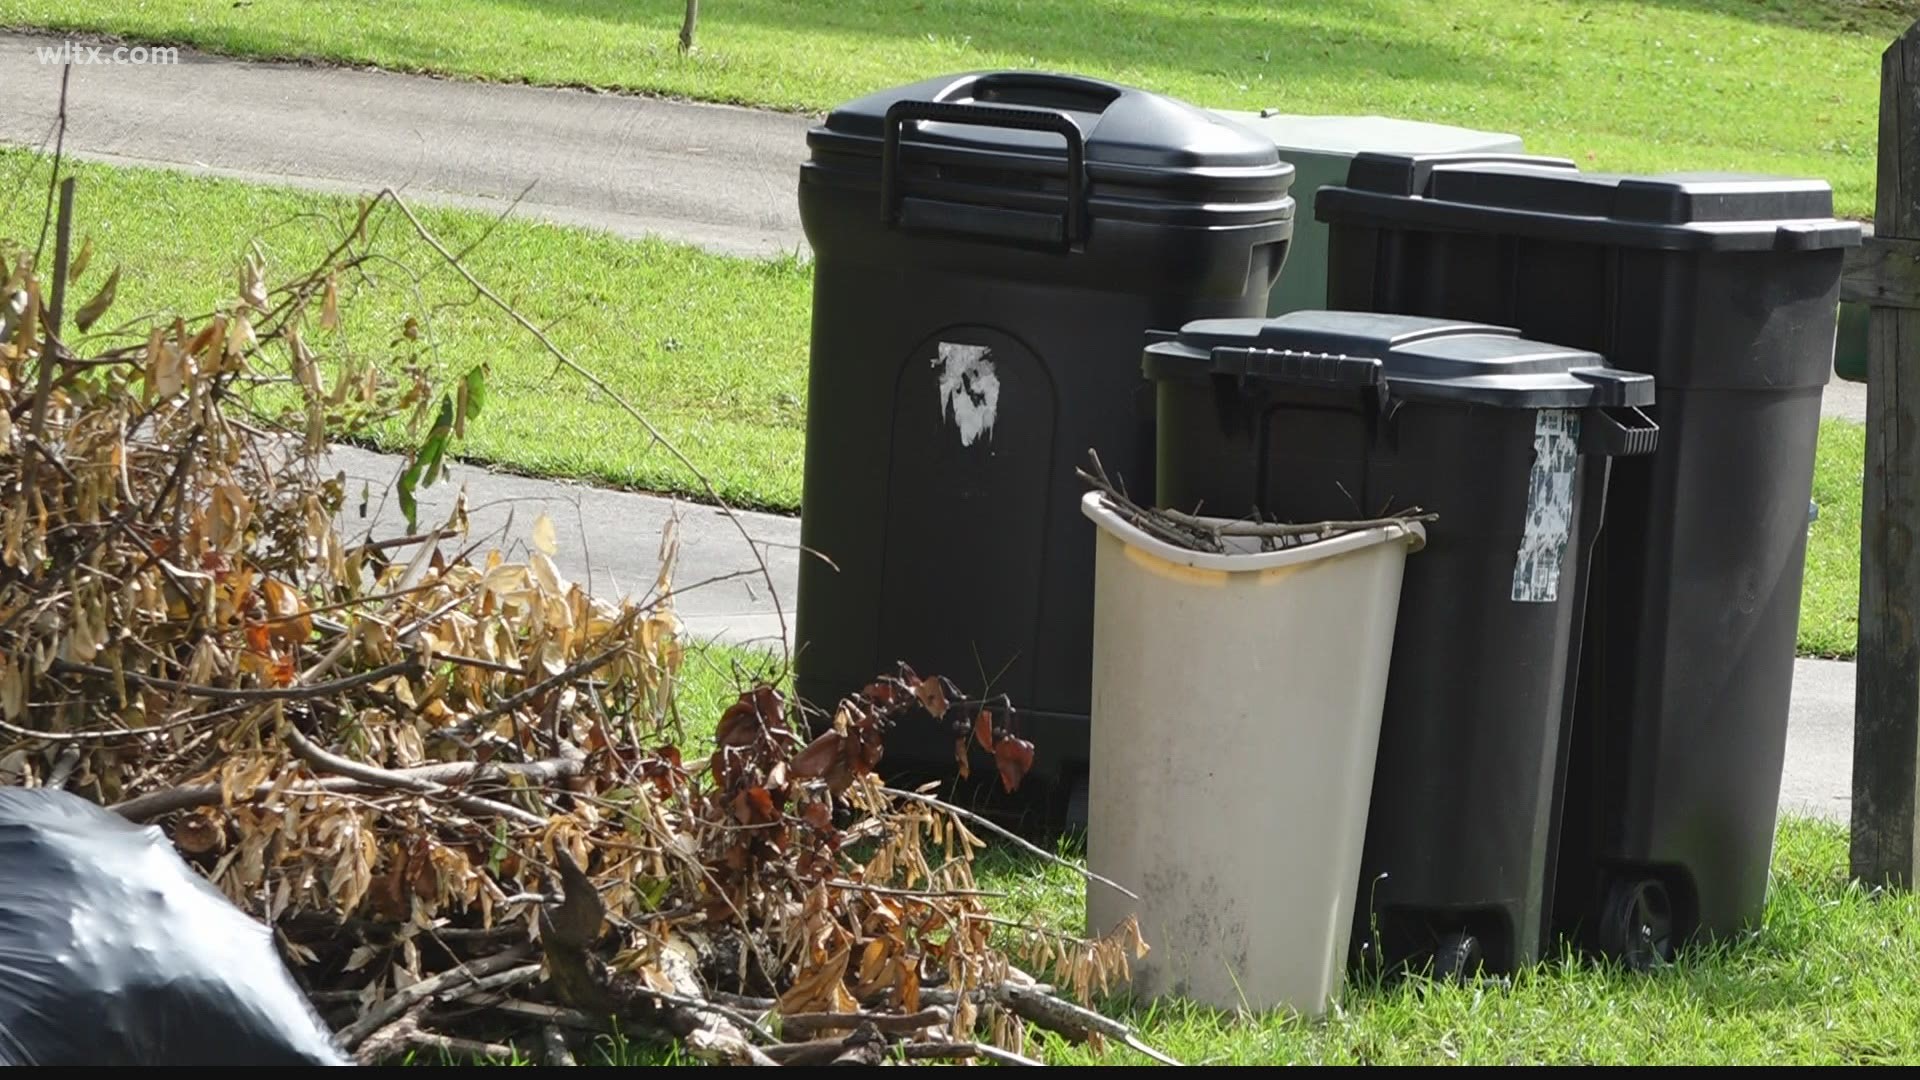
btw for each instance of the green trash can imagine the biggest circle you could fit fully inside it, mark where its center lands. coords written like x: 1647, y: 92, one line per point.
x: 1850, y: 343
x: 1320, y: 148
x: 1850, y: 338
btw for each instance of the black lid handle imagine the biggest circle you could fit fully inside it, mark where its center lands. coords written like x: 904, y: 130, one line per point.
x: 1040, y: 89
x: 1302, y: 368
x: 996, y: 116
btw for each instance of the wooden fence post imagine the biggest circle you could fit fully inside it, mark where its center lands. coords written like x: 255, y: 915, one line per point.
x: 1886, y: 734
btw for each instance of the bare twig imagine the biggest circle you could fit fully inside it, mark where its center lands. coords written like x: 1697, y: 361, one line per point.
x: 156, y: 803
x: 1070, y: 1020
x: 917, y: 894
x: 1203, y: 534
x: 391, y: 1039
x: 550, y: 1015
x: 59, y: 156
x: 1282, y: 529
x: 50, y: 349
x: 327, y: 761
x: 406, y: 1033
x: 295, y: 692
x: 98, y: 735
x: 946, y: 1051
x: 1096, y: 476
x: 890, y: 1023
x: 56, y: 308
x: 389, y: 1009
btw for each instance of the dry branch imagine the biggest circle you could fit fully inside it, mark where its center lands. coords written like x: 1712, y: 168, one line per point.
x: 158, y: 803
x: 945, y: 1051
x: 1209, y: 535
x: 464, y: 976
x: 326, y: 761
x: 1071, y: 1021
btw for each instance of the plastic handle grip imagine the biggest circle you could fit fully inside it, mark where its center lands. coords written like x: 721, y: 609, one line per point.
x: 1622, y: 431
x: 1043, y: 90
x: 1302, y: 368
x: 893, y: 181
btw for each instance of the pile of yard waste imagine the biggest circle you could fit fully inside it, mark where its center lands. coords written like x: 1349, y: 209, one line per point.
x: 444, y: 776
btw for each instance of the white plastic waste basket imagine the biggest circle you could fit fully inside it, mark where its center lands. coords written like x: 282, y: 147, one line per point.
x: 1236, y: 711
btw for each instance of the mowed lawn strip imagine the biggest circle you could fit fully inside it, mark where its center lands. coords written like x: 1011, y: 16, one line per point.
x: 711, y: 349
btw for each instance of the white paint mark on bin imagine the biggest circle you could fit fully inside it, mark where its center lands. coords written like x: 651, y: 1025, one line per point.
x: 1556, y: 453
x: 969, y: 389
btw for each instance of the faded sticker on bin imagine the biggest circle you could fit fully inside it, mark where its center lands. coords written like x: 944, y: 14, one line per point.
x: 1556, y: 454
x: 969, y: 389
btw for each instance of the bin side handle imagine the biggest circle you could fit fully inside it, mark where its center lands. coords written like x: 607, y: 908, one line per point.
x: 1618, y: 431
x: 893, y: 182
x: 1294, y: 366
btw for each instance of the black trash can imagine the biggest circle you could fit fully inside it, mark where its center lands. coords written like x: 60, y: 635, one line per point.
x: 1724, y: 289
x: 1328, y: 416
x: 990, y: 250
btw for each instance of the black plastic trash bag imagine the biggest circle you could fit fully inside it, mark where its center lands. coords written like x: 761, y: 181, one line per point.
x: 114, y: 952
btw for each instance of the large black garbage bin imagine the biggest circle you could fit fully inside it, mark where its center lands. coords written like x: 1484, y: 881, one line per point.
x: 990, y: 250
x: 1723, y: 288
x: 1319, y: 416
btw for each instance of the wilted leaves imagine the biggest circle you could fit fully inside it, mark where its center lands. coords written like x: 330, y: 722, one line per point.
x: 81, y: 260
x: 91, y: 311
x: 823, y: 989
x: 543, y: 535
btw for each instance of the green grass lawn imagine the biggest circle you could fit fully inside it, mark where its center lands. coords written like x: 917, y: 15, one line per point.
x: 1786, y: 86
x: 712, y: 349
x: 1832, y: 975
x: 1830, y: 599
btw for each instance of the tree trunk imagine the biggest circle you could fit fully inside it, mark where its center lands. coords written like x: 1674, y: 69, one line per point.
x: 687, y: 25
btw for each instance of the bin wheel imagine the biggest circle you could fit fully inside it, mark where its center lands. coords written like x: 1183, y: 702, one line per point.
x: 1636, y: 926
x: 1458, y: 958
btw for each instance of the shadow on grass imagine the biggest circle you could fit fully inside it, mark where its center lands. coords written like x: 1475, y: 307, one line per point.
x: 1888, y: 18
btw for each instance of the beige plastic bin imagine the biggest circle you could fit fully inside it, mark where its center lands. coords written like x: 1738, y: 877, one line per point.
x: 1236, y: 710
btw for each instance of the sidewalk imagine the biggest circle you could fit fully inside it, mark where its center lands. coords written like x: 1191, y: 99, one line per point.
x: 609, y: 540
x: 711, y: 175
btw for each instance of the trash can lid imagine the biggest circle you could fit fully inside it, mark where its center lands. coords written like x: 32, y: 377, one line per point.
x: 1351, y: 135
x: 1140, y: 148
x: 1407, y: 357
x: 1552, y: 198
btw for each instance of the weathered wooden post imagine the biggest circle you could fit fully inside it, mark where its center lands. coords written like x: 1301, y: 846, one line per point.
x: 1886, y: 275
